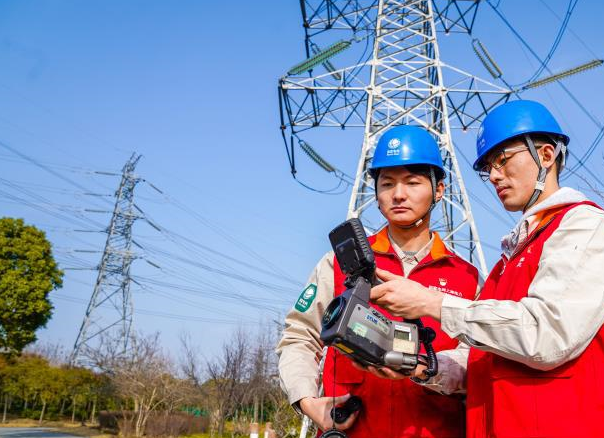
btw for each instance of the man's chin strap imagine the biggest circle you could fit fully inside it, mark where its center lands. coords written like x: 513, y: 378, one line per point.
x: 540, y: 184
x: 418, y: 222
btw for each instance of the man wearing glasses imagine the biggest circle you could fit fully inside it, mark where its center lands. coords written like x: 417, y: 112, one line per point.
x: 532, y: 355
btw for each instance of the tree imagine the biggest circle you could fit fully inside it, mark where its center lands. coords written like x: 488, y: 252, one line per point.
x: 227, y: 380
x: 143, y: 377
x: 31, y: 386
x: 269, y: 401
x: 80, y: 385
x: 241, y: 384
x: 28, y: 272
x: 48, y: 383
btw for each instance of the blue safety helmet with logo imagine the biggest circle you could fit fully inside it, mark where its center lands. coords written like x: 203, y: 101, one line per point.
x: 408, y: 146
x: 520, y: 119
x: 403, y: 146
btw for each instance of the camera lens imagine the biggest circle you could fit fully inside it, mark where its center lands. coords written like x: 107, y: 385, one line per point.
x: 332, y: 313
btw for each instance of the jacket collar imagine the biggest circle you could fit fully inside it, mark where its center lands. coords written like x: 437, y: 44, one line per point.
x: 380, y: 243
x: 537, y: 215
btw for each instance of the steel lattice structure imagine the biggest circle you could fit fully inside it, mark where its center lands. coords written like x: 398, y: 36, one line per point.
x: 110, y: 309
x: 402, y: 81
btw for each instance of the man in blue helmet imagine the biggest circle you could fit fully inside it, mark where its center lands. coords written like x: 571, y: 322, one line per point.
x: 408, y: 172
x: 533, y: 344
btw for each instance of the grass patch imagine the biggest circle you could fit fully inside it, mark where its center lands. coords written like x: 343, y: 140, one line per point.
x: 61, y: 426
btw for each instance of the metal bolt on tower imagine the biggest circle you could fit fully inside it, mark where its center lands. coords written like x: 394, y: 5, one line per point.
x: 402, y: 81
x: 110, y: 309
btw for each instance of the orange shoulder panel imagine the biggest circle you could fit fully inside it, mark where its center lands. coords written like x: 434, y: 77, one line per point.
x: 439, y: 249
x: 382, y: 242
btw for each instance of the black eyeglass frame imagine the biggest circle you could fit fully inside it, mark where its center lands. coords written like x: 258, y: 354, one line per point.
x: 485, y: 171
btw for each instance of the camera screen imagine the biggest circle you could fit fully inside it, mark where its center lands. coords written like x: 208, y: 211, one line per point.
x: 405, y: 336
x: 347, y: 256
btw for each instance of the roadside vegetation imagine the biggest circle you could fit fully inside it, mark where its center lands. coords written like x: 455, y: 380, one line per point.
x: 145, y: 392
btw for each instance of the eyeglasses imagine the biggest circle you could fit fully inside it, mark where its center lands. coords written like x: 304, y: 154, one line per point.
x: 499, y: 160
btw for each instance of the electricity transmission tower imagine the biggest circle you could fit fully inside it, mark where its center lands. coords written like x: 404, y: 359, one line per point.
x: 402, y: 80
x: 398, y: 78
x: 110, y: 310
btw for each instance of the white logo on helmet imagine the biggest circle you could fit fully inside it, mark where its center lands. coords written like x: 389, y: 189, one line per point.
x: 394, y: 143
x: 480, y: 131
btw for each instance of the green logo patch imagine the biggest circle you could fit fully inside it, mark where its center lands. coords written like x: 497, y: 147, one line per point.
x: 306, y: 298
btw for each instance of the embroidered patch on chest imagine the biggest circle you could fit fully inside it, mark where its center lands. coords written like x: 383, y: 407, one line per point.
x: 306, y: 298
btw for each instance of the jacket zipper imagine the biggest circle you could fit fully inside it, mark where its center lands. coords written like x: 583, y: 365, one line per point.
x: 532, y: 238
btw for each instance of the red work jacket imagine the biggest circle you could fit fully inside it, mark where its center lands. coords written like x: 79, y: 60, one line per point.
x: 401, y: 408
x: 508, y: 399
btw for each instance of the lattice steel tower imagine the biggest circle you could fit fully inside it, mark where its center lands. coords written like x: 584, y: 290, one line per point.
x: 110, y: 309
x: 401, y: 81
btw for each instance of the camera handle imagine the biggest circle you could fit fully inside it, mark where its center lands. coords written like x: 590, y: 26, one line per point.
x: 340, y: 414
x: 361, y: 287
x: 426, y: 337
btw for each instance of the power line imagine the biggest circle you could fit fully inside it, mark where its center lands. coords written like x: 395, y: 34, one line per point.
x: 73, y: 169
x: 232, y: 275
x: 165, y: 315
x: 221, y: 232
x: 564, y: 88
x: 190, y: 303
x: 47, y: 169
x: 212, y: 269
x: 571, y: 6
x: 25, y: 202
x: 251, y: 301
x: 174, y: 237
x: 57, y: 190
x: 585, y: 46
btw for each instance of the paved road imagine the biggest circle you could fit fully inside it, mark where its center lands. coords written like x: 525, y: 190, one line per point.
x: 31, y: 432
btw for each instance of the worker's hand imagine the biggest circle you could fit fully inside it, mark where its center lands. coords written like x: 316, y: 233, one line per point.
x: 405, y: 298
x: 387, y: 373
x: 319, y: 409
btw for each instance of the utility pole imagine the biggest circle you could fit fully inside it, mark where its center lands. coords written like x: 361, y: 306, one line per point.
x: 110, y: 310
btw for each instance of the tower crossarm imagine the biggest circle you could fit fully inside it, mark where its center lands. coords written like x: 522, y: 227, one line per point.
x: 402, y: 81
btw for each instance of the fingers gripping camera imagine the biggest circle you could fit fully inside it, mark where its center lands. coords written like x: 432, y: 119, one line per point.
x: 358, y: 330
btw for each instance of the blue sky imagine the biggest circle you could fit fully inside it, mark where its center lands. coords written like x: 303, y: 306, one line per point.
x: 192, y: 86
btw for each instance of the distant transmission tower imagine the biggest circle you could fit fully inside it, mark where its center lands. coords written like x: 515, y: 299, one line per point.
x: 110, y: 309
x: 401, y: 80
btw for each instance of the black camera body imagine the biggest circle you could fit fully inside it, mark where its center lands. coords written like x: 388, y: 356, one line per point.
x: 358, y: 330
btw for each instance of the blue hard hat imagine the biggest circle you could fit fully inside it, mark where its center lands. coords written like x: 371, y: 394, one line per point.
x: 403, y: 146
x: 512, y: 119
